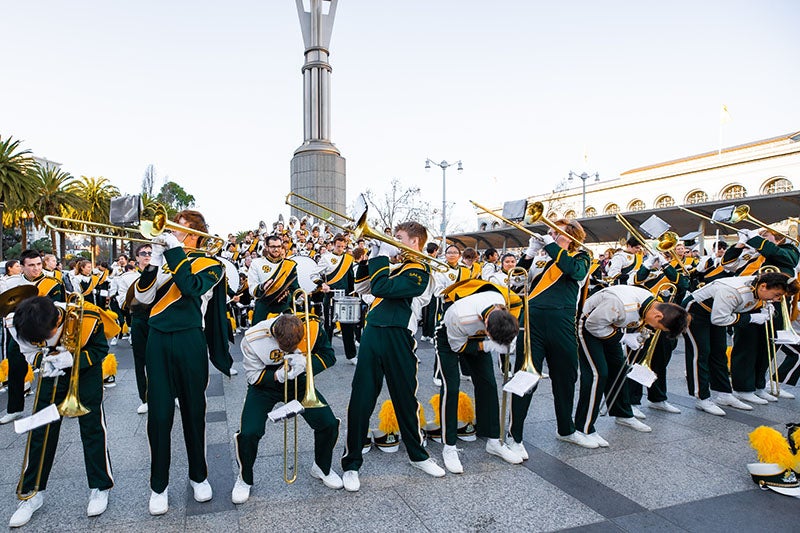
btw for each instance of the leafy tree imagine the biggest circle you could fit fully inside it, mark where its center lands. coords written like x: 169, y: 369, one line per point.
x: 174, y: 198
x: 54, y: 196
x: 15, y: 167
x: 97, y: 194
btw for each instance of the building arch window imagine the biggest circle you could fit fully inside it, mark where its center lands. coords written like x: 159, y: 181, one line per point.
x: 552, y: 215
x: 570, y: 215
x: 696, y: 197
x: 732, y: 192
x: 776, y: 185
x: 483, y: 226
x: 636, y: 205
x: 590, y: 212
x: 665, y: 200
x: 495, y: 224
x: 611, y: 209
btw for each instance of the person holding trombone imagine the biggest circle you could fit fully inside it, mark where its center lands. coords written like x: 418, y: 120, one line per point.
x: 274, y: 355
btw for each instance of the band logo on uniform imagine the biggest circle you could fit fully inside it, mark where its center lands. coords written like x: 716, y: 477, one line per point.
x: 334, y: 260
x: 416, y: 277
x: 266, y: 268
x: 276, y: 356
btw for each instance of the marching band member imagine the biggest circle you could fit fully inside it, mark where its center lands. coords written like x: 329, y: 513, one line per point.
x: 556, y: 280
x: 710, y: 268
x: 271, y: 280
x: 139, y: 329
x: 85, y: 280
x: 490, y: 257
x: 442, y: 280
x: 601, y: 339
x: 337, y: 266
x: 475, y: 322
x: 38, y: 325
x: 624, y: 262
x: 176, y: 285
x: 469, y: 258
x: 17, y: 366
x: 50, y: 267
x: 736, y: 301
x: 430, y: 310
x: 387, y: 350
x: 264, y: 347
x: 500, y: 277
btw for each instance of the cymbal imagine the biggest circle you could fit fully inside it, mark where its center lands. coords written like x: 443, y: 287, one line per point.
x: 10, y: 299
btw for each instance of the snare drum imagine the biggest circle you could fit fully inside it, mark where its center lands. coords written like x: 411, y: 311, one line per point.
x: 347, y: 309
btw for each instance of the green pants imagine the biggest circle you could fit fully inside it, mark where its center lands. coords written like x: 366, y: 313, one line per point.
x: 139, y: 333
x: 259, y: 402
x: 486, y: 404
x: 749, y: 358
x: 662, y: 353
x: 17, y: 370
x: 261, y: 309
x: 706, y: 361
x: 92, y: 427
x: 177, y: 367
x: 600, y: 361
x: 384, y: 352
x: 552, y: 336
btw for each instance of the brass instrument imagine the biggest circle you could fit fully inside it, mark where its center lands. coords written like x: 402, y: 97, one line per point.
x: 648, y: 356
x: 286, y: 477
x: 359, y: 228
x: 769, y: 331
x: 665, y: 244
x: 704, y: 217
x: 527, y: 362
x: 534, y: 212
x: 148, y: 228
x: 742, y: 212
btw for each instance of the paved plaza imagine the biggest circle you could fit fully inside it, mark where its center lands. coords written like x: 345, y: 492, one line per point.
x: 687, y: 475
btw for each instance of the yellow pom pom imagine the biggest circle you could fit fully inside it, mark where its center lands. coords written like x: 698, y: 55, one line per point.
x: 4, y: 370
x: 772, y: 447
x: 434, y: 401
x: 422, y: 421
x: 387, y: 419
x: 29, y: 375
x: 114, y: 316
x: 124, y: 328
x: 466, y: 409
x: 109, y: 366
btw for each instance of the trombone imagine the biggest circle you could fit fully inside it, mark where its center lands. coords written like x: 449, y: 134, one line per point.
x: 359, y: 228
x: 148, y: 228
x: 666, y: 242
x: 769, y: 331
x: 310, y: 400
x: 741, y: 213
x: 71, y: 406
x: 527, y: 362
x: 534, y: 212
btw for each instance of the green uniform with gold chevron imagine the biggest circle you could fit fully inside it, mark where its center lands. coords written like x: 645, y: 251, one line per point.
x: 177, y: 351
x: 557, y: 279
x: 387, y: 350
x: 262, y: 358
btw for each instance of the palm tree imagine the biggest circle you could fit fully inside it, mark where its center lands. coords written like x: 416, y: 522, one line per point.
x: 54, y: 196
x: 15, y: 186
x: 97, y: 194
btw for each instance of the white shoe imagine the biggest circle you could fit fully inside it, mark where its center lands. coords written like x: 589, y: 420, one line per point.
x: 494, y: 447
x: 726, y: 398
x: 764, y: 395
x: 785, y: 394
x: 466, y: 378
x: 353, y: 361
x: 545, y: 375
x: 437, y: 382
x: 241, y: 491
x: 25, y: 510
x: 234, y: 372
x: 142, y: 409
x: 159, y: 503
x: 638, y: 413
x: 202, y: 490
x: 603, y: 443
x: 10, y: 417
x: 576, y: 437
x: 710, y: 407
x: 177, y: 404
x: 751, y: 397
x: 634, y: 423
x: 113, y: 341
x: 451, y: 460
x: 98, y: 501
x: 429, y: 466
x: 332, y: 480
x: 664, y: 406
x: 518, y: 448
x: 350, y: 481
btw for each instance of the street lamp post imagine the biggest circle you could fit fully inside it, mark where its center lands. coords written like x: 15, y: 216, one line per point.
x: 444, y: 166
x: 584, y: 176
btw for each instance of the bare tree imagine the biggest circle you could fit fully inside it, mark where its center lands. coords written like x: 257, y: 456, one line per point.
x: 397, y: 204
x: 149, y: 181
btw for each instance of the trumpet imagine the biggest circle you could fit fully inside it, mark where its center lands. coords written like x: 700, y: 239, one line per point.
x: 359, y: 228
x: 534, y: 212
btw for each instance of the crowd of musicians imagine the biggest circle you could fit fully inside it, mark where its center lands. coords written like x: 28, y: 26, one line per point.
x: 588, y: 318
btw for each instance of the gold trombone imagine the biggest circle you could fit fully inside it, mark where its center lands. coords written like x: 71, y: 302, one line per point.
x: 534, y: 213
x: 742, y: 212
x: 149, y: 228
x: 665, y: 243
x: 769, y: 331
x: 359, y: 228
x: 704, y: 217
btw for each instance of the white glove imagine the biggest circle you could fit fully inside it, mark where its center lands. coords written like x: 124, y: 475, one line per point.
x: 374, y: 248
x: 769, y: 309
x: 547, y: 239
x: 759, y: 318
x: 747, y: 234
x: 649, y: 261
x: 388, y: 250
x: 535, y: 243
x: 491, y: 346
x: 631, y: 340
x: 280, y: 375
x: 53, y: 365
x: 298, y: 365
x: 157, y: 257
x: 61, y: 359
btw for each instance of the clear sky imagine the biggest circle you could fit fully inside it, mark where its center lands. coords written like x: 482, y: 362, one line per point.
x: 211, y: 92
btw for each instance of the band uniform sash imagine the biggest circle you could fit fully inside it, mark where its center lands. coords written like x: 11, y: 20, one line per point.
x: 345, y: 263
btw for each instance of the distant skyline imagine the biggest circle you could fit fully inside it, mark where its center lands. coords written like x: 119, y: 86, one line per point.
x: 211, y: 93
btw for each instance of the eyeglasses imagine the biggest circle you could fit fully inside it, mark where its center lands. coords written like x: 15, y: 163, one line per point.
x: 145, y: 253
x: 274, y: 247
